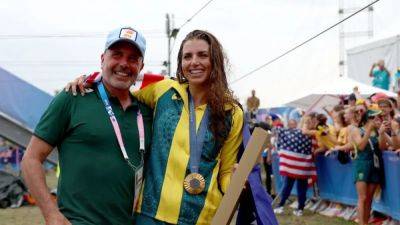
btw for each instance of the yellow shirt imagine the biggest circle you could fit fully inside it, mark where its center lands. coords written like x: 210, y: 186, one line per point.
x: 163, y: 196
x: 326, y: 137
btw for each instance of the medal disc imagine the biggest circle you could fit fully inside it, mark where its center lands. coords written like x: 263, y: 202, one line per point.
x: 194, y: 183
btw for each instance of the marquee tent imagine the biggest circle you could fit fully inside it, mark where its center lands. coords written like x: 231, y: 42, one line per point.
x: 328, y: 93
x: 21, y: 106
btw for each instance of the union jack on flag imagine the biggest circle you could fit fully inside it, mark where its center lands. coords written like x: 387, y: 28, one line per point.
x: 295, y: 155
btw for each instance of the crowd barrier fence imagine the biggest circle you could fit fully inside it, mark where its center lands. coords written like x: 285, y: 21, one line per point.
x: 336, y: 182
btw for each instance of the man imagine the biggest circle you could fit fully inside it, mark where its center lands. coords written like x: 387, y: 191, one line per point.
x: 381, y: 77
x: 252, y: 104
x: 99, y: 162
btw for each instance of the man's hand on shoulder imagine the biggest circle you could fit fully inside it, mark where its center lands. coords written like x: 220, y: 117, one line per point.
x: 77, y: 85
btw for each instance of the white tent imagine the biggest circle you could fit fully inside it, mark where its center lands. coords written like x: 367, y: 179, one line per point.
x: 328, y: 93
x: 361, y: 58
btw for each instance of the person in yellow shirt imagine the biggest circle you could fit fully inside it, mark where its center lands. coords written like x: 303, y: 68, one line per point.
x: 325, y: 135
x: 200, y: 91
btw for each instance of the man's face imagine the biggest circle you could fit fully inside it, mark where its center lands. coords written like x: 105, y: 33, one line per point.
x: 292, y: 124
x: 381, y: 64
x: 120, y: 65
x: 253, y: 93
x: 268, y: 120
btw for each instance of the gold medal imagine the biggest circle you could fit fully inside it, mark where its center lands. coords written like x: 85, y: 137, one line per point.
x: 194, y: 183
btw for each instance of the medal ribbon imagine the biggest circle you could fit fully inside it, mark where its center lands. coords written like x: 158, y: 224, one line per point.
x: 196, y: 138
x: 117, y: 130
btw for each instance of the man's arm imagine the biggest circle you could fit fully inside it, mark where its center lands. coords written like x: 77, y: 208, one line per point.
x: 34, y: 176
x: 371, y: 74
x: 307, y: 131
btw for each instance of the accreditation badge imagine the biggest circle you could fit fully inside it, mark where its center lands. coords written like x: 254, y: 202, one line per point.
x: 138, y: 185
x: 194, y: 183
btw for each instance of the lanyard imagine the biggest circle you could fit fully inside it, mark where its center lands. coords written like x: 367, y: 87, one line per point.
x: 371, y: 145
x: 196, y: 138
x: 117, y: 130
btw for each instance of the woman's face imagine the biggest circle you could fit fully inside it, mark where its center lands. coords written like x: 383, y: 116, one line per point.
x: 196, y: 63
x: 348, y: 115
x: 361, y: 109
x: 377, y: 122
x: 386, y: 109
x: 311, y: 123
x: 336, y: 116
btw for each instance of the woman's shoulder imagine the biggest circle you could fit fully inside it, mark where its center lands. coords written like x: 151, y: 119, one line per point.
x: 235, y: 107
x: 167, y: 82
x: 353, y: 129
x: 235, y: 111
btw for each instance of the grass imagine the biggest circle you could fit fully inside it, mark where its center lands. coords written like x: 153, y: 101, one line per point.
x: 30, y: 215
x: 27, y: 215
x: 310, y: 218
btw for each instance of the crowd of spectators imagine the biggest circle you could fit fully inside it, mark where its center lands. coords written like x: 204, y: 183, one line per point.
x: 10, y: 156
x: 357, y: 128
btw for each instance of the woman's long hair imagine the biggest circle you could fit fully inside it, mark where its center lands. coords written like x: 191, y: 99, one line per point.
x: 219, y: 95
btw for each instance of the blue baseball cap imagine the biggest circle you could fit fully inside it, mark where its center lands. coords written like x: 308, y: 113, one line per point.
x: 129, y: 35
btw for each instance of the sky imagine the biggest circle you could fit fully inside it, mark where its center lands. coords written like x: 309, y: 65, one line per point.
x: 252, y: 32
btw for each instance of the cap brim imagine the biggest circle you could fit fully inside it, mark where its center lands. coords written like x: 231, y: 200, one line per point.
x: 128, y: 41
x: 374, y: 112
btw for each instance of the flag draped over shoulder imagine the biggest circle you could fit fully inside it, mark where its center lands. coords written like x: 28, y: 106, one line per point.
x: 149, y: 79
x: 295, y: 155
x: 142, y: 80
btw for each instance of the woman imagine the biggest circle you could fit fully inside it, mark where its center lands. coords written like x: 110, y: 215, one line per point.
x: 182, y: 185
x: 334, y: 114
x: 351, y: 119
x: 368, y: 162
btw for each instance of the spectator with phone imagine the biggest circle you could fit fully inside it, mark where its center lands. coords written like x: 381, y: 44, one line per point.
x: 368, y: 140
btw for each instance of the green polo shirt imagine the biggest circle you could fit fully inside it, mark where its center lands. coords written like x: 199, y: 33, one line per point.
x: 96, y: 185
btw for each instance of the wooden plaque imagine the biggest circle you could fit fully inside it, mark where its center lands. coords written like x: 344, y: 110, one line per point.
x: 257, y: 143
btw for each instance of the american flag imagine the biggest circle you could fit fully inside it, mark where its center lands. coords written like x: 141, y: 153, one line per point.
x: 295, y: 155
